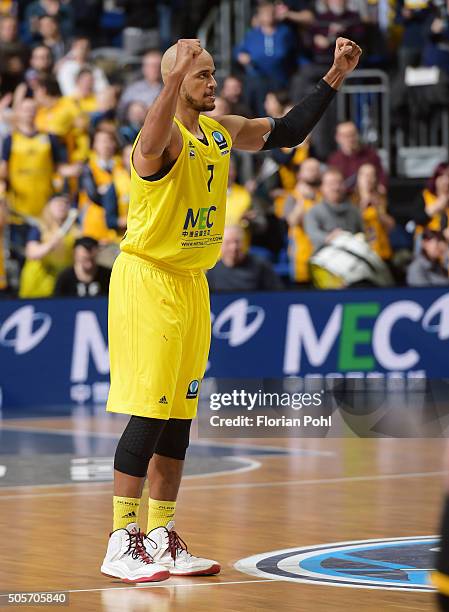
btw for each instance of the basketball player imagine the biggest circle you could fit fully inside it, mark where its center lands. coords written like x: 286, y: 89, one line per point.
x: 159, y: 313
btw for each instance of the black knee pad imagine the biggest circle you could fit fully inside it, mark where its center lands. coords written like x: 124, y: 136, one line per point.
x: 137, y: 445
x: 174, y: 440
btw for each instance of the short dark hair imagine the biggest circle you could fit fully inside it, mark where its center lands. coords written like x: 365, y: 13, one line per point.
x: 51, y: 86
x: 282, y: 96
x: 151, y: 51
x: 51, y: 17
x: 429, y: 234
x: 86, y: 242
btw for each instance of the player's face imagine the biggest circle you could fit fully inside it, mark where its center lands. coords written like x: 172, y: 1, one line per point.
x: 199, y: 85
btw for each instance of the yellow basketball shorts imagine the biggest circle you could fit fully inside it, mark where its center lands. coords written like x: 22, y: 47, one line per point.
x: 159, y: 339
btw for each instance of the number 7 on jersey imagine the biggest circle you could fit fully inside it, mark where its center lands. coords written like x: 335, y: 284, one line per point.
x: 210, y: 167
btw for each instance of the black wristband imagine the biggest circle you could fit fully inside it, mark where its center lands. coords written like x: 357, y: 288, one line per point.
x: 293, y: 128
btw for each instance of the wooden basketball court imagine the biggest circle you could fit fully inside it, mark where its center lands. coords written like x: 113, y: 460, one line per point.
x: 282, y: 494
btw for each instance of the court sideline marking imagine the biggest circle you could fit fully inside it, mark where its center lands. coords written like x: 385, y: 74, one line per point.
x: 246, y: 485
x: 199, y: 442
x: 158, y: 586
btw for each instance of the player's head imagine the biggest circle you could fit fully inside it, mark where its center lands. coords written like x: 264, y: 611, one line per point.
x: 199, y: 85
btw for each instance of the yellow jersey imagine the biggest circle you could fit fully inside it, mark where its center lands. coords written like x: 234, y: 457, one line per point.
x: 122, y: 181
x: 31, y: 165
x: 287, y: 172
x: 375, y: 232
x: 438, y: 221
x: 300, y: 247
x: 57, y: 118
x: 38, y: 276
x: 88, y: 104
x: 238, y: 202
x: 65, y: 119
x: 94, y: 222
x: 179, y: 219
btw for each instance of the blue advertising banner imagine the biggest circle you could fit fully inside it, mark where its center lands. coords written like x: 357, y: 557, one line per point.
x: 55, y: 351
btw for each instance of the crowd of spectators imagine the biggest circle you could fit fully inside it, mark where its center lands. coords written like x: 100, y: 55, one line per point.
x: 69, y: 116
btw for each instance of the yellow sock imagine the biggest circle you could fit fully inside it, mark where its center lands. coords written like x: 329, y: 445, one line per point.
x: 160, y: 513
x: 126, y: 510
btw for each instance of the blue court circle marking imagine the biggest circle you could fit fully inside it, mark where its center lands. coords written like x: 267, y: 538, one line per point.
x: 401, y: 564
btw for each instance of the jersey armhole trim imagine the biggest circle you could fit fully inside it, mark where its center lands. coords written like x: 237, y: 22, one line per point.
x: 166, y: 177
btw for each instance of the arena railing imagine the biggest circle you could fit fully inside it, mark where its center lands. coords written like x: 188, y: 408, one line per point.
x: 223, y: 27
x: 365, y: 99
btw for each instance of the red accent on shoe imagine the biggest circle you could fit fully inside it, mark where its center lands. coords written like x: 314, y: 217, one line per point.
x: 163, y: 575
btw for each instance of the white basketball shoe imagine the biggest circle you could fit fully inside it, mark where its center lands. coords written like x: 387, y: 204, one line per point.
x: 170, y: 551
x: 128, y: 559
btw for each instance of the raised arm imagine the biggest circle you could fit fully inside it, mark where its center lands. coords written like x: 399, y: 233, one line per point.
x: 160, y: 140
x: 292, y: 129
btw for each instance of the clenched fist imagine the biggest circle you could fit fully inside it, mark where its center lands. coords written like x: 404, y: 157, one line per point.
x: 347, y: 55
x: 187, y: 50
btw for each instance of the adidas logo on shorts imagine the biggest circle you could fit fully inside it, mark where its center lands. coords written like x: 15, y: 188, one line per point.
x: 163, y: 400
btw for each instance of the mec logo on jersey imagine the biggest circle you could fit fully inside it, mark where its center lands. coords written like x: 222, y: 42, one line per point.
x: 200, y: 219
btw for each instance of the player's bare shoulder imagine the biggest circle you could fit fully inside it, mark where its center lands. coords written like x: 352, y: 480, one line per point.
x: 232, y: 123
